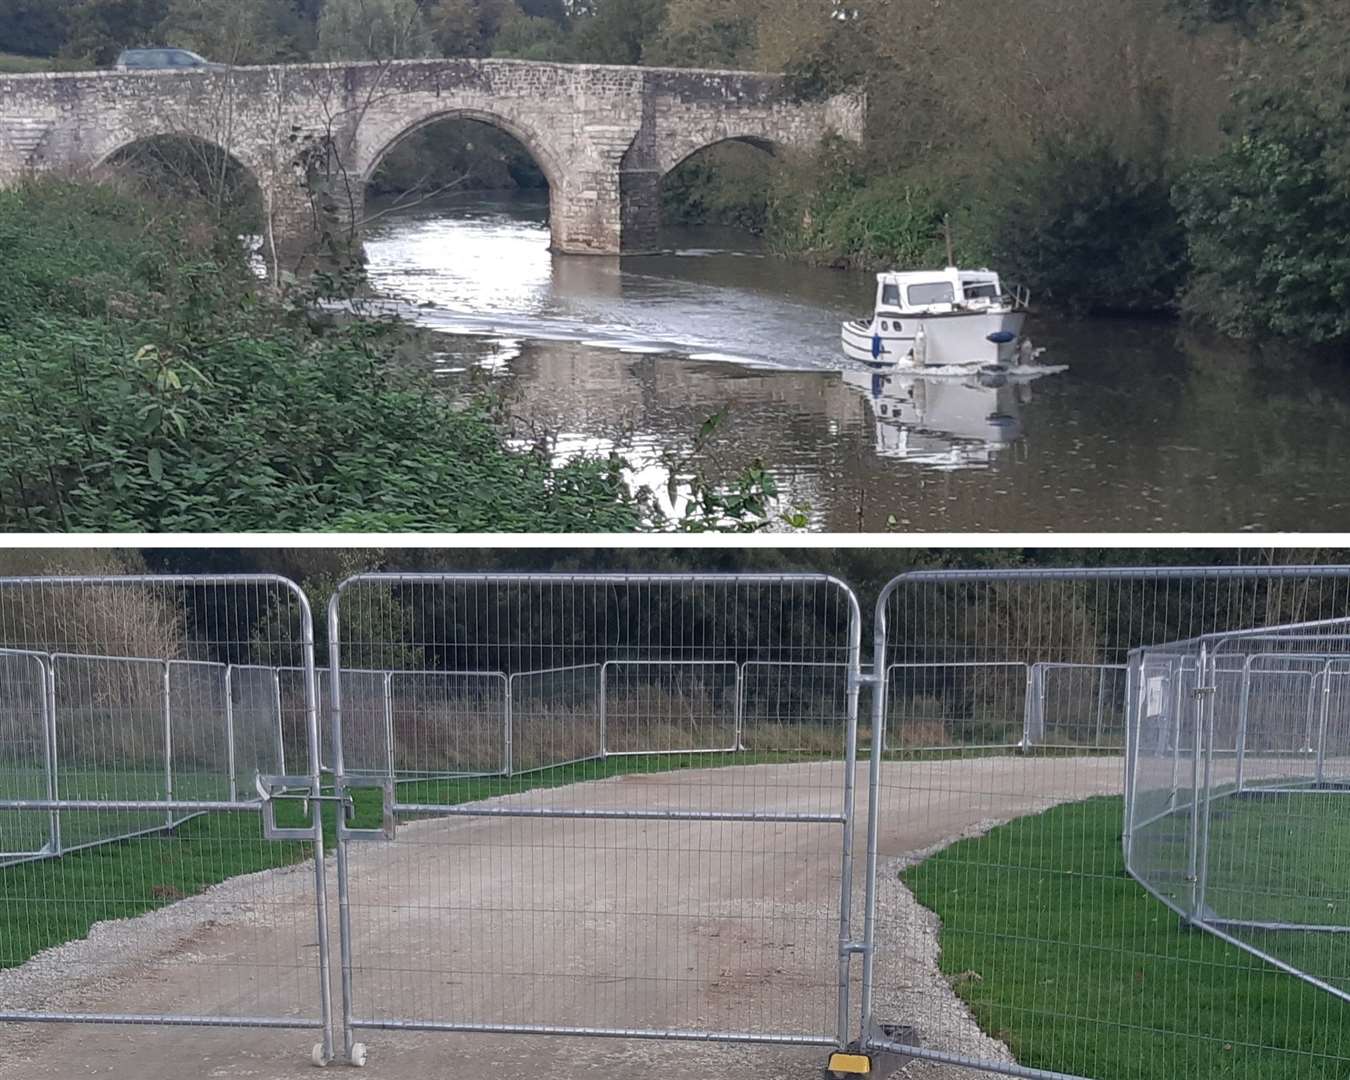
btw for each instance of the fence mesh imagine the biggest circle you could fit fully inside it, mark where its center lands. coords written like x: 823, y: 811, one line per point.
x: 445, y: 724
x: 219, y: 926
x: 556, y: 717
x: 26, y: 765
x: 1007, y: 930
x: 1248, y: 843
x: 636, y: 872
x: 622, y: 805
x: 1076, y: 706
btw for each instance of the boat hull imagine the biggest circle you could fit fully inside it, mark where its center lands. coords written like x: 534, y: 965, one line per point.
x: 947, y: 340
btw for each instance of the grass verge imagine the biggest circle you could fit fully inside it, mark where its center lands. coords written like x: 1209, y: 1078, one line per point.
x: 15, y: 64
x: 1066, y: 959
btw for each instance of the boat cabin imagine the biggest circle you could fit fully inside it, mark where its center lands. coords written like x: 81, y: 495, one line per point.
x: 936, y: 292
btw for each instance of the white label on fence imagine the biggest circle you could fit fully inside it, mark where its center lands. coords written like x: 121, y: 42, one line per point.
x: 1157, y: 695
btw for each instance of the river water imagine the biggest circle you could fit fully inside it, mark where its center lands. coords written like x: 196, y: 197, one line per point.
x: 1151, y: 427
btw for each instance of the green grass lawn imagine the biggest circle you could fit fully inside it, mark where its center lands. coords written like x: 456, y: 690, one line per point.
x: 1069, y: 961
x: 14, y: 64
x: 48, y: 902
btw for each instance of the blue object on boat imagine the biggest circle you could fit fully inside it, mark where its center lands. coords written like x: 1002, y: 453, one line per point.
x: 876, y: 346
x: 1002, y: 337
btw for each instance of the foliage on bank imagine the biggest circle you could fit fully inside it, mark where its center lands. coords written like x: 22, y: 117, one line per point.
x: 151, y: 384
x: 1114, y: 155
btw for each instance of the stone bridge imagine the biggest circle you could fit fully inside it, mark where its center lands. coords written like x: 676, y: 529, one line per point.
x: 603, y: 136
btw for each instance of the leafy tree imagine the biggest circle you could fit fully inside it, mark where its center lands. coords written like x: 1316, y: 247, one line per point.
x: 553, y: 10
x: 1269, y: 225
x: 529, y: 37
x: 100, y: 29
x: 705, y: 33
x: 1087, y: 228
x: 456, y: 27
x: 373, y: 30
x: 619, y: 31
x: 235, y: 31
x: 1269, y: 215
x: 33, y: 27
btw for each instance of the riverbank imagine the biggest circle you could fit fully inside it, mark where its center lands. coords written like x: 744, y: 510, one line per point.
x: 151, y: 383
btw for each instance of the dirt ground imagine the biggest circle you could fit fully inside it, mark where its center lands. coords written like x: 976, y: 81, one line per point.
x: 693, y: 925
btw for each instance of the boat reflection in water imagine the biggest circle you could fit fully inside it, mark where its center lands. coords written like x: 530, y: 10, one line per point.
x: 949, y: 422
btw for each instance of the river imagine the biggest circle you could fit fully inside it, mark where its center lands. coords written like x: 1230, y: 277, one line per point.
x: 1152, y: 427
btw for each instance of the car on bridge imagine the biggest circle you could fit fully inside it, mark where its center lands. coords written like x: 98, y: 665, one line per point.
x: 160, y: 59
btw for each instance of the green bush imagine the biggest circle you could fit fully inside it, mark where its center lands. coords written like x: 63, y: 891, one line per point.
x: 1269, y: 224
x: 839, y: 215
x: 149, y: 385
x: 1085, y: 228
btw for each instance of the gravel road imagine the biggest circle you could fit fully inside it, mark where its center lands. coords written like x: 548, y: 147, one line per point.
x: 616, y: 923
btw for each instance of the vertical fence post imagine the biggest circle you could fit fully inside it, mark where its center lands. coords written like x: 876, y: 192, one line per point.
x: 231, y: 764
x: 1101, y: 704
x: 1028, y: 703
x: 1135, y: 698
x: 1312, y: 710
x: 168, y: 741
x: 47, y: 667
x: 1209, y: 693
x: 388, y: 691
x: 339, y: 789
x: 1178, y: 699
x: 739, y: 715
x: 281, y: 724
x: 509, y: 736
x: 1320, y: 775
x: 1196, y: 712
x: 853, y: 674
x: 879, y: 706
x: 1244, y: 705
x: 312, y: 713
x: 604, y: 718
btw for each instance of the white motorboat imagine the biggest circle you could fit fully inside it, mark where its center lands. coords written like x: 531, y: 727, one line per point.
x: 940, y: 318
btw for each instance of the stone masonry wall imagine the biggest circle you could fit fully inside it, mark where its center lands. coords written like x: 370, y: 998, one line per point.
x: 603, y: 136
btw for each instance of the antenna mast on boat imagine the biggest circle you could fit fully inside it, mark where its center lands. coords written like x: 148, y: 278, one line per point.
x: 947, y: 229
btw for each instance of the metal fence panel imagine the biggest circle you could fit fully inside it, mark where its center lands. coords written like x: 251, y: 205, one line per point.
x: 1076, y: 706
x: 665, y: 884
x: 1264, y: 838
x: 970, y: 705
x: 27, y: 761
x: 556, y: 717
x: 255, y: 722
x: 443, y: 724
x: 145, y: 737
x: 793, y: 706
x: 670, y: 707
x: 1003, y: 933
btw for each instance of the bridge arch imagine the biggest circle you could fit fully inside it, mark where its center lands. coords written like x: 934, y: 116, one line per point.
x: 532, y: 141
x: 193, y: 156
x: 672, y: 156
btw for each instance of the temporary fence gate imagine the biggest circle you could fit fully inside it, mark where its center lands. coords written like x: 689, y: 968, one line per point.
x: 608, y: 907
x: 121, y: 718
x: 1011, y: 841
x: 623, y: 806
